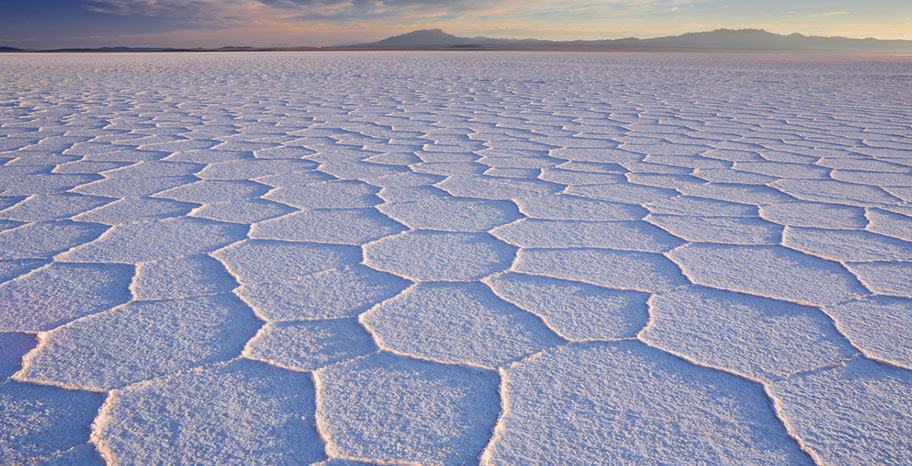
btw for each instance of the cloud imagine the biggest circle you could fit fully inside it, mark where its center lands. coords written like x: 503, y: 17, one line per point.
x: 344, y: 10
x: 303, y: 9
x: 828, y: 13
x: 185, y: 9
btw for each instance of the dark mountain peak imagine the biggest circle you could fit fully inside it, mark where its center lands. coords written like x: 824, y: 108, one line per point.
x: 421, y: 38
x: 428, y: 32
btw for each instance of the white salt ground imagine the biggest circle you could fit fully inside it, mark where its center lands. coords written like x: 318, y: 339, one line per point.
x: 443, y: 259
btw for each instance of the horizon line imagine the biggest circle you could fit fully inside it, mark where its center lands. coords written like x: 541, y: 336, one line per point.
x: 367, y: 45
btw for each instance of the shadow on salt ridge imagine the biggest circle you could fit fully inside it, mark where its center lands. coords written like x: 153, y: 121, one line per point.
x: 40, y: 420
x: 82, y: 455
x: 13, y: 346
x: 10, y: 269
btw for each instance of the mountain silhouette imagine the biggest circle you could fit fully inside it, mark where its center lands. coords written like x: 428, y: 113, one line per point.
x: 719, y: 40
x: 422, y: 38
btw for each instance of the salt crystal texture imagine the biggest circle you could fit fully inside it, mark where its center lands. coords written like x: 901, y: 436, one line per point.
x: 464, y: 258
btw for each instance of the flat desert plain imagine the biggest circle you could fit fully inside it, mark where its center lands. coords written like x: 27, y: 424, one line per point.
x: 455, y: 258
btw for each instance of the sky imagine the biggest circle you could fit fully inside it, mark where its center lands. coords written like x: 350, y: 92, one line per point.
x: 263, y: 23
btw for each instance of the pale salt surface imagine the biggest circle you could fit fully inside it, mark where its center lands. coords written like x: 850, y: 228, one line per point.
x: 455, y: 258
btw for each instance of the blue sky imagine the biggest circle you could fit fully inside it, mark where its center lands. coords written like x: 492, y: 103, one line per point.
x: 212, y: 23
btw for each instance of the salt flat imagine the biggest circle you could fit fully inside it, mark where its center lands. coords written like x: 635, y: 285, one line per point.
x: 455, y: 258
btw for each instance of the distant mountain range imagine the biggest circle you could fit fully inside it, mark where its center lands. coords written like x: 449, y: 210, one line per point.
x: 718, y: 40
x: 730, y: 40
